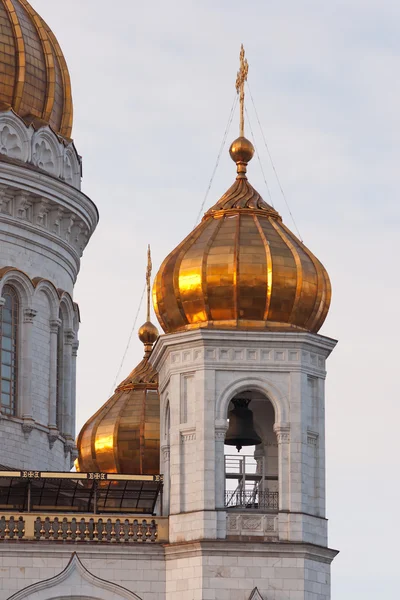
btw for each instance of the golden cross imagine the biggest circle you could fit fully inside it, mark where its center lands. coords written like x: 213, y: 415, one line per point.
x: 148, y: 279
x: 240, y: 81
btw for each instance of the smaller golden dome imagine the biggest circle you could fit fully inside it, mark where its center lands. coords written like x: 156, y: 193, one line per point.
x: 241, y: 151
x: 148, y: 334
x: 124, y: 435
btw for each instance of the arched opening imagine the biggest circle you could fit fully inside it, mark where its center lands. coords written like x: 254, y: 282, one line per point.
x: 9, y: 325
x: 251, y: 475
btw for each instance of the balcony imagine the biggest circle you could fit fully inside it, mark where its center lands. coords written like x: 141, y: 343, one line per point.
x: 83, y: 528
x: 81, y: 508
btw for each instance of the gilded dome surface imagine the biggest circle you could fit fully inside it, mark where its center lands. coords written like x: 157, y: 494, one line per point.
x: 124, y: 435
x: 34, y: 78
x: 241, y: 268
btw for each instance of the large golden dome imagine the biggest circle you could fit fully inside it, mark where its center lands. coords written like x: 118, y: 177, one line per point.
x: 241, y: 268
x: 34, y: 78
x: 124, y: 435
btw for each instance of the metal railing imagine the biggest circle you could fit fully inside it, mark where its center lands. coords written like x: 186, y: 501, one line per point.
x: 257, y: 500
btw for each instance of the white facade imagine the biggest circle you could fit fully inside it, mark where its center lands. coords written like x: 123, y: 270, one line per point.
x: 45, y: 224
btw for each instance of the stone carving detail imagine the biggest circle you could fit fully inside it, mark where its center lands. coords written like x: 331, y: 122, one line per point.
x: 42, y: 157
x: 232, y: 523
x: 166, y: 452
x: 312, y: 438
x: 188, y: 436
x: 251, y: 523
x: 282, y: 433
x: 22, y: 206
x: 10, y: 143
x: 43, y: 148
x: 256, y: 525
x: 220, y: 434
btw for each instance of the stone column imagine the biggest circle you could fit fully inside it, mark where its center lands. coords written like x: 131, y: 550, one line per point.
x: 75, y: 347
x: 220, y: 433
x: 165, y: 452
x: 26, y: 407
x: 283, y: 436
x: 54, y: 329
x: 69, y: 338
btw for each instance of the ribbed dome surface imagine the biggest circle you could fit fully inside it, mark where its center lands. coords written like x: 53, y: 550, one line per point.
x: 124, y: 435
x: 241, y: 268
x: 34, y: 78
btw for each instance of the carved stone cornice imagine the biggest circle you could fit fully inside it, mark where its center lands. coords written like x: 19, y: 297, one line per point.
x: 282, y: 433
x: 55, y: 325
x: 29, y: 315
x: 69, y: 337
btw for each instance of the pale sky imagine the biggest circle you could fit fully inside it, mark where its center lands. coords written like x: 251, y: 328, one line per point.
x: 153, y: 84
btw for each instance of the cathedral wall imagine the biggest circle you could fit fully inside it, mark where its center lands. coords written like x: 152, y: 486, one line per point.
x: 36, y: 257
x: 41, y: 359
x: 31, y: 449
x: 140, y: 569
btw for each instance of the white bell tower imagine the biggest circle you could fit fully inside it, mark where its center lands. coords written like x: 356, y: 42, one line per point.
x: 283, y: 374
x: 241, y: 301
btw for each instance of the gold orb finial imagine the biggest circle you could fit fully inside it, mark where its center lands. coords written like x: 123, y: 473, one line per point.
x: 241, y: 151
x: 148, y: 333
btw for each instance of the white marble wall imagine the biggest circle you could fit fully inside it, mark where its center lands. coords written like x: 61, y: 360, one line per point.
x: 197, y: 571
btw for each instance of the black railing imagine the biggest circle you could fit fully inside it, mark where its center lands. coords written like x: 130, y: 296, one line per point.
x: 252, y: 500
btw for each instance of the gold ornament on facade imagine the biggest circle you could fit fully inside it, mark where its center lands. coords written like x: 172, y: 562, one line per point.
x: 241, y: 267
x: 34, y: 77
x: 124, y: 435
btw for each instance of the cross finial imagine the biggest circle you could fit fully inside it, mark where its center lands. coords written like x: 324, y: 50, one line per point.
x: 240, y: 81
x: 148, y: 280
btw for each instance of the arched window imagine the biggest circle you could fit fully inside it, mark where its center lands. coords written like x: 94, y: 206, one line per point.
x: 9, y: 317
x: 60, y: 371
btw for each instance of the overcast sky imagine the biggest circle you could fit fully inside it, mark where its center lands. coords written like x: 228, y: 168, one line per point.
x: 153, y: 84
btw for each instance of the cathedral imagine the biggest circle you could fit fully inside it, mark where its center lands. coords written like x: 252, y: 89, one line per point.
x: 160, y: 504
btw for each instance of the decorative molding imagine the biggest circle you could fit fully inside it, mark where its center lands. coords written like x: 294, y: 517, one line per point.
x: 55, y: 325
x: 282, y: 433
x: 75, y: 576
x: 312, y: 438
x: 69, y: 337
x: 29, y: 315
x: 220, y: 434
x: 52, y: 437
x: 28, y: 425
x: 252, y: 523
x: 42, y: 149
x: 166, y: 451
x: 188, y: 435
x: 255, y: 595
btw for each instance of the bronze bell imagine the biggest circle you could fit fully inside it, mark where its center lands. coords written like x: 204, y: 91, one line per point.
x: 241, y: 428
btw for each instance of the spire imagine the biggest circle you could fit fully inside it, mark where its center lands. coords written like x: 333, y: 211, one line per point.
x: 148, y: 333
x: 148, y: 279
x: 240, y: 81
x: 241, y: 150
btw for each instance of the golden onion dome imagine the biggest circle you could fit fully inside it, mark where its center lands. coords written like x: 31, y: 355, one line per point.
x: 124, y: 435
x: 241, y: 268
x: 34, y: 78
